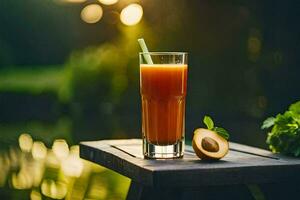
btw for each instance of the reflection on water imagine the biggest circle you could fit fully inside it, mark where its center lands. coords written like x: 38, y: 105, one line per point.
x: 31, y: 170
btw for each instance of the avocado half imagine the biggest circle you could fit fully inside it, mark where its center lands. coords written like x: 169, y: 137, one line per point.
x: 208, y: 145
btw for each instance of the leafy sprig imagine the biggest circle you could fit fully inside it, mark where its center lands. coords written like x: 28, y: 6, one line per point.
x: 207, y: 120
x: 284, y: 136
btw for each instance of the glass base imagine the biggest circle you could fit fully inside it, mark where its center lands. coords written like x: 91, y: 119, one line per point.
x: 153, y: 151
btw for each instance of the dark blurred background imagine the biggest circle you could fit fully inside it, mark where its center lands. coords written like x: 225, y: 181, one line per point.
x: 69, y: 70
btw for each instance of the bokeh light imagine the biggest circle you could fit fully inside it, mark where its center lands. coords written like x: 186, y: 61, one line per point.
x: 13, y: 157
x: 91, y: 13
x: 132, y: 14
x: 73, y: 165
x: 52, y: 189
x: 22, y: 180
x: 60, y: 148
x: 52, y: 160
x: 74, y: 149
x: 25, y: 142
x: 108, y: 2
x: 35, y: 195
x: 56, y: 173
x: 39, y: 150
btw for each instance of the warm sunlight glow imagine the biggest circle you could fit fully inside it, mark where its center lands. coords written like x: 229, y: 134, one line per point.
x: 132, y: 14
x: 91, y: 13
x: 108, y: 2
x: 60, y: 148
x: 39, y: 150
x: 25, y: 142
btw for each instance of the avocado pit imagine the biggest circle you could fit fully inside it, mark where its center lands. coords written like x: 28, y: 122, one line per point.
x: 210, y: 144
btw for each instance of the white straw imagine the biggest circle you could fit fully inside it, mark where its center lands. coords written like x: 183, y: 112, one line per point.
x: 145, y: 51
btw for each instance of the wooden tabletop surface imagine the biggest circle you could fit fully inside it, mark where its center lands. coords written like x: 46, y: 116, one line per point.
x: 242, y: 165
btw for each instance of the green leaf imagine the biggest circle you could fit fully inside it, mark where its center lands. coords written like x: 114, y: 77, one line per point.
x: 268, y: 123
x: 208, y: 122
x: 295, y: 107
x: 222, y: 132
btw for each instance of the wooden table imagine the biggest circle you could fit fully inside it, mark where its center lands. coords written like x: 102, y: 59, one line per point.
x: 245, y: 173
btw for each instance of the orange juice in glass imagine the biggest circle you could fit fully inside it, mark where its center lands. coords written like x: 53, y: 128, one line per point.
x: 163, y: 85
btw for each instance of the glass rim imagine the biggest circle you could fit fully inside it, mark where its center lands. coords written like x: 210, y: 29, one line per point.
x: 161, y: 53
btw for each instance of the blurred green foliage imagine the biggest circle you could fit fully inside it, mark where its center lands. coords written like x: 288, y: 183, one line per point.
x: 32, y: 80
x: 98, y: 72
x: 44, y: 131
x: 93, y: 80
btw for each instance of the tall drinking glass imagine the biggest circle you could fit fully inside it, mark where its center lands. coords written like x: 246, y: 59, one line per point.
x: 163, y: 85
